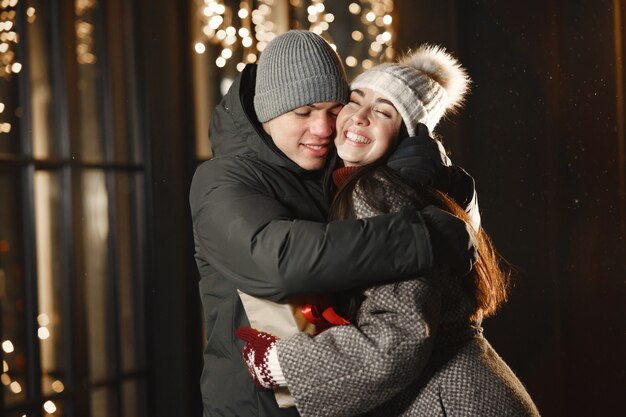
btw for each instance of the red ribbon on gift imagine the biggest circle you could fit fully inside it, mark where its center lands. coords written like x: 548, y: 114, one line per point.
x: 322, y: 314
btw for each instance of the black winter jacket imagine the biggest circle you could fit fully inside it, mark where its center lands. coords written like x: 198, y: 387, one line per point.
x: 260, y: 226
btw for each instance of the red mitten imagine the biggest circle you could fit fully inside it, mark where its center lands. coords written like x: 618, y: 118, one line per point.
x: 256, y: 355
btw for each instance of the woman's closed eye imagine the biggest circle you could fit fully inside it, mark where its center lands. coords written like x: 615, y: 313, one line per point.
x: 383, y: 112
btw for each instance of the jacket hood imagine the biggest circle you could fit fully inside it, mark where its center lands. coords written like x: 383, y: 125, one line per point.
x: 235, y: 129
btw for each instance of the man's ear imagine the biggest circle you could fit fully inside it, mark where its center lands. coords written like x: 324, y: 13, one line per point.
x: 267, y: 128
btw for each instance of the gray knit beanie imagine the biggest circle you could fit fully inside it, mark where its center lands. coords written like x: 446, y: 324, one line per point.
x: 423, y: 86
x: 297, y: 68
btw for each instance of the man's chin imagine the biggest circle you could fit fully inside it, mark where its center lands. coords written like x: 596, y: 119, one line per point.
x: 311, y: 165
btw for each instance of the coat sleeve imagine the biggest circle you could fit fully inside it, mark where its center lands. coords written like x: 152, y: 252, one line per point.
x: 254, y: 241
x: 349, y: 370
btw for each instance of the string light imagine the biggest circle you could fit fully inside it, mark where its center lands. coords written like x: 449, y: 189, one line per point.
x: 84, y: 32
x: 244, y: 32
x: 57, y: 386
x: 43, y: 333
x: 354, y: 8
x: 15, y: 387
x: 49, y: 407
x: 241, y: 33
x: 8, y: 40
x: 375, y: 39
x: 319, y: 19
x: 376, y: 35
x: 7, y: 346
x: 199, y: 48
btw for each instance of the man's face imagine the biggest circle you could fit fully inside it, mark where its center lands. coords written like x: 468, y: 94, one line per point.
x: 305, y: 134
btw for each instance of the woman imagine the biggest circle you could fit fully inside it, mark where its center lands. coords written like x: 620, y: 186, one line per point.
x: 415, y: 347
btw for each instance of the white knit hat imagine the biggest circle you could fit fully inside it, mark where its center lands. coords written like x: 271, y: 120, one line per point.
x: 423, y: 85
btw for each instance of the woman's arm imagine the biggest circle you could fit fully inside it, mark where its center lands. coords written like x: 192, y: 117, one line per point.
x: 348, y: 370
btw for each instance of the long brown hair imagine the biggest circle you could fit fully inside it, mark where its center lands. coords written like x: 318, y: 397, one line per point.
x: 487, y: 282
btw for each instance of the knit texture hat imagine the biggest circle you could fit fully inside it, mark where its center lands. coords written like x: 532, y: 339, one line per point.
x: 423, y: 86
x: 297, y: 68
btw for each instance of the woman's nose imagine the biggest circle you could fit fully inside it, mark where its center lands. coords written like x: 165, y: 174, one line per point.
x: 360, y: 117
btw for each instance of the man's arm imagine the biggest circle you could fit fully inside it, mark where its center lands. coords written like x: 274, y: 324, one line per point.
x: 252, y: 239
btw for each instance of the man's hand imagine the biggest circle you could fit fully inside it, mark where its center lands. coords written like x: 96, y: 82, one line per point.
x: 256, y: 353
x: 452, y: 240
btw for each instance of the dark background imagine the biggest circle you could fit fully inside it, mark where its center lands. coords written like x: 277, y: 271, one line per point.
x: 543, y: 135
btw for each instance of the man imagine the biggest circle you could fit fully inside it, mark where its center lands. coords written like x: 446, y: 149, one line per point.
x: 259, y: 212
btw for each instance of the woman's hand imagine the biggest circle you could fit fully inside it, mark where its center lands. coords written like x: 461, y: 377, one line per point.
x: 260, y: 356
x: 420, y: 158
x: 423, y: 160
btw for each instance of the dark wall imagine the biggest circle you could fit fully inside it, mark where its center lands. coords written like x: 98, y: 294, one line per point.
x: 543, y: 135
x: 173, y: 318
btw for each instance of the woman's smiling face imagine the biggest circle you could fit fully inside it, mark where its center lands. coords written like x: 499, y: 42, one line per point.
x: 366, y: 127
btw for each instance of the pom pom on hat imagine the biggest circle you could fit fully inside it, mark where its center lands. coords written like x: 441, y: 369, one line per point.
x: 424, y: 85
x: 444, y: 69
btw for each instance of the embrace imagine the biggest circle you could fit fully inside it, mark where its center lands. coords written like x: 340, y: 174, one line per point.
x: 342, y: 195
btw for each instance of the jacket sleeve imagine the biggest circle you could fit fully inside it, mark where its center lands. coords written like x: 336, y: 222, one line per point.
x: 254, y: 241
x: 460, y: 185
x: 349, y: 370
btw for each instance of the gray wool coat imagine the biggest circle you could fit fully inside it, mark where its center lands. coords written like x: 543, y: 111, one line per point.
x: 412, y: 351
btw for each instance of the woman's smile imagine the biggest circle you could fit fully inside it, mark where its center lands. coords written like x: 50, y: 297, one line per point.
x: 357, y: 137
